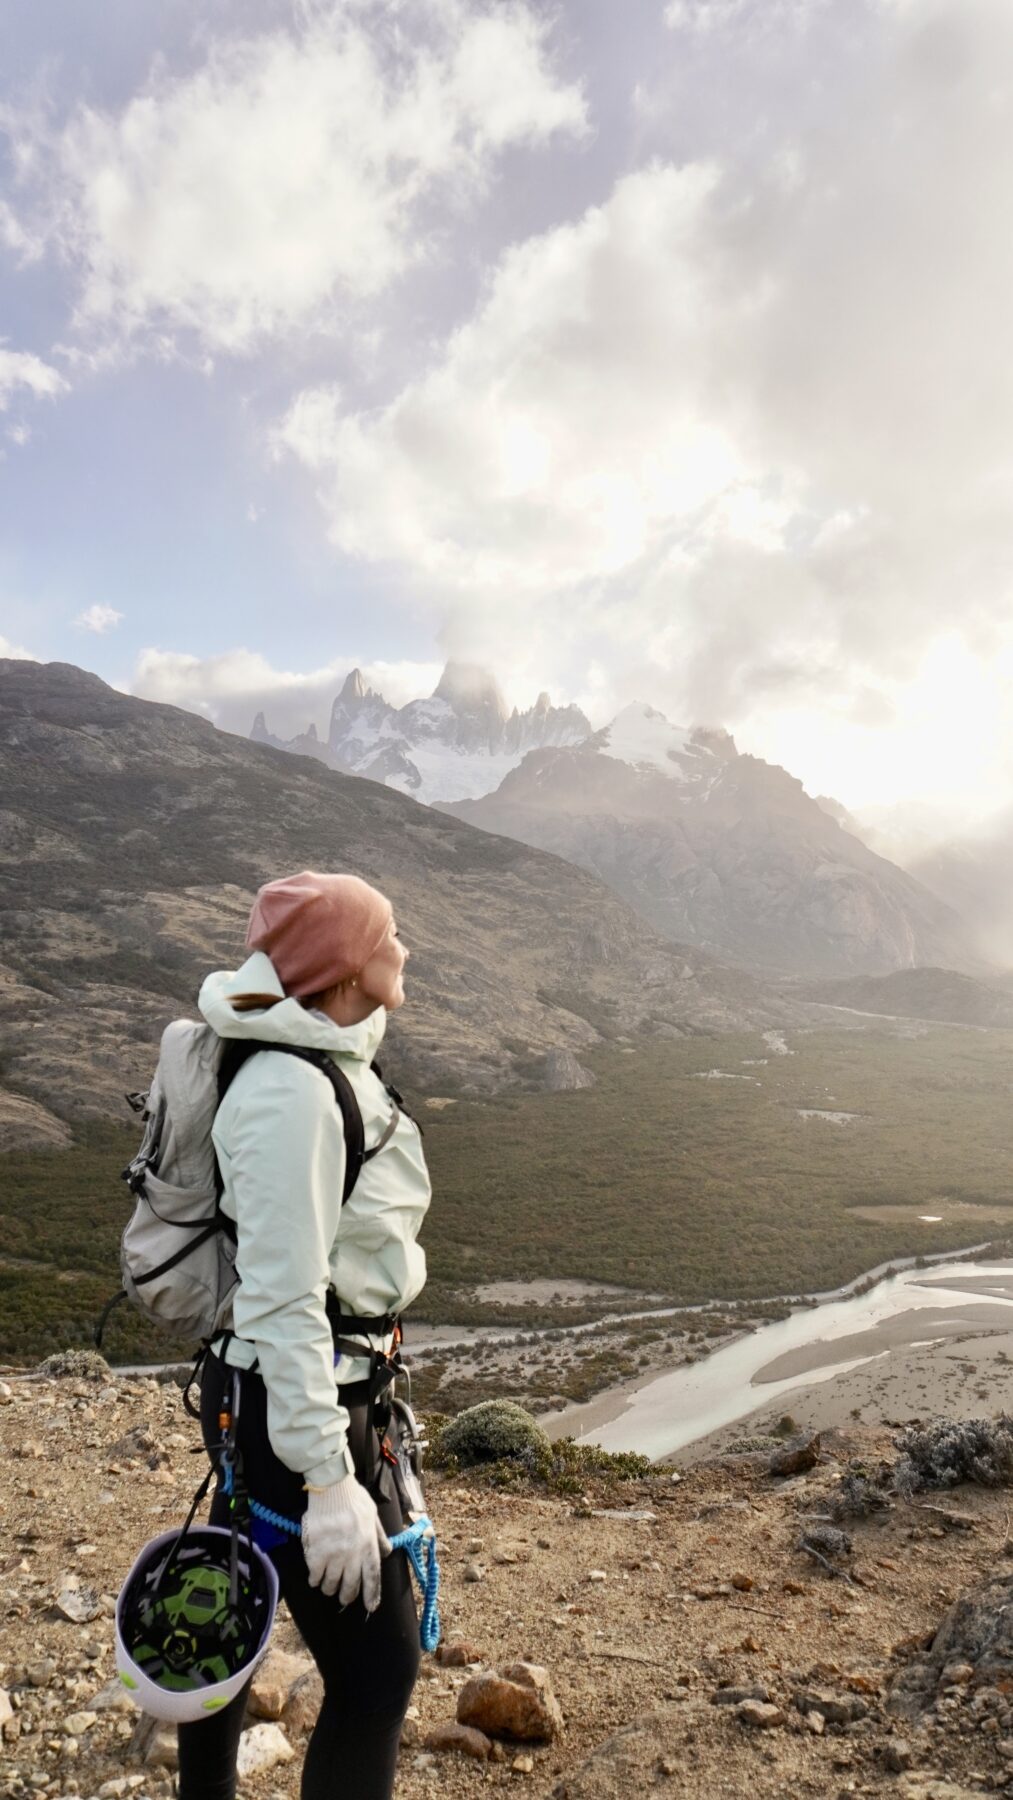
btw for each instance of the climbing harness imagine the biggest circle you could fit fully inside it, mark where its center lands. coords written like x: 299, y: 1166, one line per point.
x: 417, y: 1539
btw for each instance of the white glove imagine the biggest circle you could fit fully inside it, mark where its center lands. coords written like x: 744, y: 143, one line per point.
x: 343, y: 1540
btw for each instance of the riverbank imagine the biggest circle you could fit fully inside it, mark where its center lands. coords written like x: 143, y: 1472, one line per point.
x: 923, y: 1342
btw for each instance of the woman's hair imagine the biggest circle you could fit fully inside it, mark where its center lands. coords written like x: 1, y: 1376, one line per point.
x: 243, y: 1003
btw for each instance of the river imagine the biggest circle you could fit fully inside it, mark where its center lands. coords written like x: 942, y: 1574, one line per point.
x: 670, y: 1410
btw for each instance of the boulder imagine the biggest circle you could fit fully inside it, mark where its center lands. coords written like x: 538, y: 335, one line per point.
x: 516, y: 1701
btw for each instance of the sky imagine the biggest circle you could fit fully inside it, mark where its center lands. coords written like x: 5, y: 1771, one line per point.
x: 638, y: 349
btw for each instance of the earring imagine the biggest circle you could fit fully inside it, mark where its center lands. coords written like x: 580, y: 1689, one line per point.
x: 353, y: 982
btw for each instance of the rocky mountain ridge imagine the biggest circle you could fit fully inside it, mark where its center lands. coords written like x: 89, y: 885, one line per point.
x: 461, y: 740
x: 722, y: 850
x: 132, y: 836
x: 710, y: 846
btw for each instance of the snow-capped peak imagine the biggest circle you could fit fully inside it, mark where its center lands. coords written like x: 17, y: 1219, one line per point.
x: 645, y: 739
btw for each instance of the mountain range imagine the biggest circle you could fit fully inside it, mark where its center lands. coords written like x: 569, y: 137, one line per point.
x: 133, y: 835
x: 458, y: 742
x: 710, y: 846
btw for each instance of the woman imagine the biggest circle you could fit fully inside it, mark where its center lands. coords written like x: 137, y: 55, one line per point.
x: 326, y: 968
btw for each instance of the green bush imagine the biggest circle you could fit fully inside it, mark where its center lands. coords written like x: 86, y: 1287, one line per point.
x: 491, y: 1432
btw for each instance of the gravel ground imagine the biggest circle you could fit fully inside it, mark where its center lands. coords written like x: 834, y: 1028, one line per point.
x: 639, y: 1621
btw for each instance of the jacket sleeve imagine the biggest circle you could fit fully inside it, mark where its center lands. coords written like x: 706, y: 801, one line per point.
x: 284, y: 1165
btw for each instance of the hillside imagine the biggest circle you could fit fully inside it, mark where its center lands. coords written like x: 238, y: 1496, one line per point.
x: 723, y: 851
x: 694, y: 1648
x: 132, y: 836
x: 943, y: 995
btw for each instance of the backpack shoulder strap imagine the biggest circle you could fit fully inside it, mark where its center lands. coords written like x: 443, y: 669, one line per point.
x: 237, y: 1051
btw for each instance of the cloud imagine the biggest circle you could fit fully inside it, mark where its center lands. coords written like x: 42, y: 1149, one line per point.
x: 742, y: 429
x: 294, y: 172
x: 230, y: 689
x: 16, y: 652
x: 98, y: 619
x: 21, y: 372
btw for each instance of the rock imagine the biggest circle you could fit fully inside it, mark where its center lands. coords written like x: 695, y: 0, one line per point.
x: 78, y: 1723
x: 836, y: 1710
x: 597, y: 1575
x: 897, y: 1756
x: 30, y: 1450
x: 758, y: 1714
x: 957, y: 1674
x: 262, y: 1747
x: 796, y: 1457
x: 522, y: 1765
x: 40, y: 1674
x: 304, y: 1703
x: 111, y: 1790
x: 273, y: 1683
x: 112, y: 1698
x: 6, y: 1393
x: 743, y: 1583
x: 6, y: 1709
x: 733, y: 1696
x: 160, y: 1748
x: 473, y: 1571
x: 474, y: 1546
x: 78, y: 1604
x: 563, y: 1073
x: 516, y: 1701
x: 816, y: 1723
x: 458, y: 1655
x: 464, y: 1738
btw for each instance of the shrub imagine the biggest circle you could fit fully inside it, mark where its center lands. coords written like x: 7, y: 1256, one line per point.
x: 491, y: 1432
x: 85, y: 1365
x: 948, y: 1452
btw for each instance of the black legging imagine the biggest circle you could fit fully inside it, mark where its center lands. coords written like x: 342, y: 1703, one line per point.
x: 369, y: 1661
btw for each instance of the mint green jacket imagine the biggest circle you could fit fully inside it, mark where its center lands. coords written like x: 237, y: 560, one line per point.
x: 280, y: 1144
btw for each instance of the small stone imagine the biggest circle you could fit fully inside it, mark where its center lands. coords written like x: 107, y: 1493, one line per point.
x: 6, y: 1393
x: 458, y: 1655
x: 897, y: 1755
x: 743, y: 1582
x: 597, y: 1575
x: 424, y: 1760
x: 6, y: 1709
x: 794, y: 1587
x: 473, y: 1571
x: 263, y: 1747
x: 112, y: 1698
x: 474, y: 1546
x: 40, y: 1674
x: 957, y: 1674
x: 758, y: 1714
x: 816, y: 1723
x: 522, y: 1765
x: 78, y: 1604
x: 733, y: 1696
x: 29, y: 1451
x: 111, y: 1790
x: 463, y: 1738
x: 78, y: 1723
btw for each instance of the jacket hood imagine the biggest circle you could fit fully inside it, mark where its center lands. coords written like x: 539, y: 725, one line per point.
x: 286, y: 1021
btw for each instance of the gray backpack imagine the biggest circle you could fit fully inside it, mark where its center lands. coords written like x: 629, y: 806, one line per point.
x: 178, y: 1251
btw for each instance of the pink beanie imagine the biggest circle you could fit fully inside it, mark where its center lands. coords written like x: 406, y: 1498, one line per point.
x: 318, y: 929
